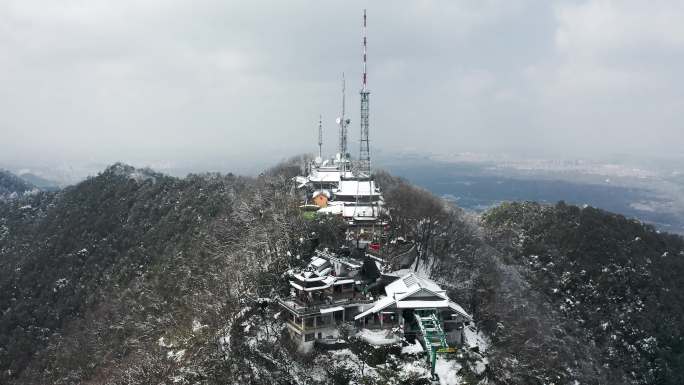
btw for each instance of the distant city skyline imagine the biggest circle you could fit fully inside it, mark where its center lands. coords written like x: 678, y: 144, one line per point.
x: 243, y: 83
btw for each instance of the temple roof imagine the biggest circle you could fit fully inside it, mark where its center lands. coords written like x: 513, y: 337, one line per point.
x: 413, y: 292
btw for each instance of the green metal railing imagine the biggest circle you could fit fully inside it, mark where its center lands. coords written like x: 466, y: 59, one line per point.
x: 433, y: 334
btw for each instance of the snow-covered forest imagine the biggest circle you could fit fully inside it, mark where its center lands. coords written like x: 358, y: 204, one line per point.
x: 134, y: 277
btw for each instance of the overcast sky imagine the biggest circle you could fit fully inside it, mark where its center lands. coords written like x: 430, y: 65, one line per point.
x: 182, y: 81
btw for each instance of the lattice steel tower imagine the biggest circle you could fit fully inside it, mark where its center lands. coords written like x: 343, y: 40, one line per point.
x: 343, y: 122
x: 364, y: 152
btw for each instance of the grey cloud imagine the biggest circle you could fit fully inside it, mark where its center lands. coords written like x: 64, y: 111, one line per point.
x: 152, y: 81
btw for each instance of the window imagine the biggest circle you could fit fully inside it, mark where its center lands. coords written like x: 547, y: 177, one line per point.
x: 309, y: 337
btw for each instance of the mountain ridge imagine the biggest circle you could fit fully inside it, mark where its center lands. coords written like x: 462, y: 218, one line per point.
x: 135, y: 277
x: 12, y: 185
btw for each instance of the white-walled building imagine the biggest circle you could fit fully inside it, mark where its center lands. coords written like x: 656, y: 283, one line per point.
x: 332, y: 290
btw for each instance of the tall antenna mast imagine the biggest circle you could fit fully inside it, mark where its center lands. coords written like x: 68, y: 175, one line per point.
x: 364, y: 152
x: 320, y: 136
x: 343, y: 122
x: 365, y: 50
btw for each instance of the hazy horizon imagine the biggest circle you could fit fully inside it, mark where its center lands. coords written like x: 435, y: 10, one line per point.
x: 213, y: 82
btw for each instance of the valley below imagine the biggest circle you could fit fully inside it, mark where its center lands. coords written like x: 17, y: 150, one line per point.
x: 479, y: 184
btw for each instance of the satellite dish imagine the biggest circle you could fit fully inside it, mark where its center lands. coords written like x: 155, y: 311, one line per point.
x: 338, y: 120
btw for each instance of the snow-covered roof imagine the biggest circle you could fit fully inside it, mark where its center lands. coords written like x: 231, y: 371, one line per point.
x: 380, y: 304
x: 318, y: 271
x: 413, y: 292
x: 331, y: 309
x: 411, y: 283
x: 327, y: 281
x: 325, y: 176
x: 422, y: 304
x: 350, y: 263
x: 317, y: 262
x: 357, y: 188
x: 321, y: 192
x: 307, y: 276
x: 458, y: 309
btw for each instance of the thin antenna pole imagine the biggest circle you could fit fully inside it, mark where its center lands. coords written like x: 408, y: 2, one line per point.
x: 344, y: 88
x: 364, y: 152
x: 320, y: 136
x: 343, y: 122
x: 365, y: 73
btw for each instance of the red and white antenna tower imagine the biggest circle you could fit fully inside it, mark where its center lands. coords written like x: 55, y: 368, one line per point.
x: 365, y: 41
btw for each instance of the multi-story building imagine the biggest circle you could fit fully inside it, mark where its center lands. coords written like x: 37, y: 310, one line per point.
x: 324, y: 294
x: 333, y: 290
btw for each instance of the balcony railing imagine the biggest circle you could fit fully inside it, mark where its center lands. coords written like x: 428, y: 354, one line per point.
x: 309, y: 328
x: 310, y: 309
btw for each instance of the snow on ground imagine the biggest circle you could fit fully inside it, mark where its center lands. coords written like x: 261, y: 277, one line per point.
x: 347, y: 358
x: 225, y: 342
x: 197, y: 325
x: 416, y: 348
x: 474, y: 339
x: 480, y: 366
x: 242, y: 312
x: 416, y: 367
x: 378, y: 337
x: 408, y: 368
x: 164, y: 344
x: 60, y: 284
x: 447, y: 371
x: 176, y: 356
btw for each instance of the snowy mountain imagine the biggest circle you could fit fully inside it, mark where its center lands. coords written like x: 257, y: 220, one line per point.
x: 39, y: 181
x: 135, y: 277
x: 12, y: 185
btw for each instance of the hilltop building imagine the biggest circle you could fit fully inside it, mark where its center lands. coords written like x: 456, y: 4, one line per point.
x: 324, y: 294
x: 357, y: 201
x: 409, y: 298
x: 340, y: 186
x: 334, y: 289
